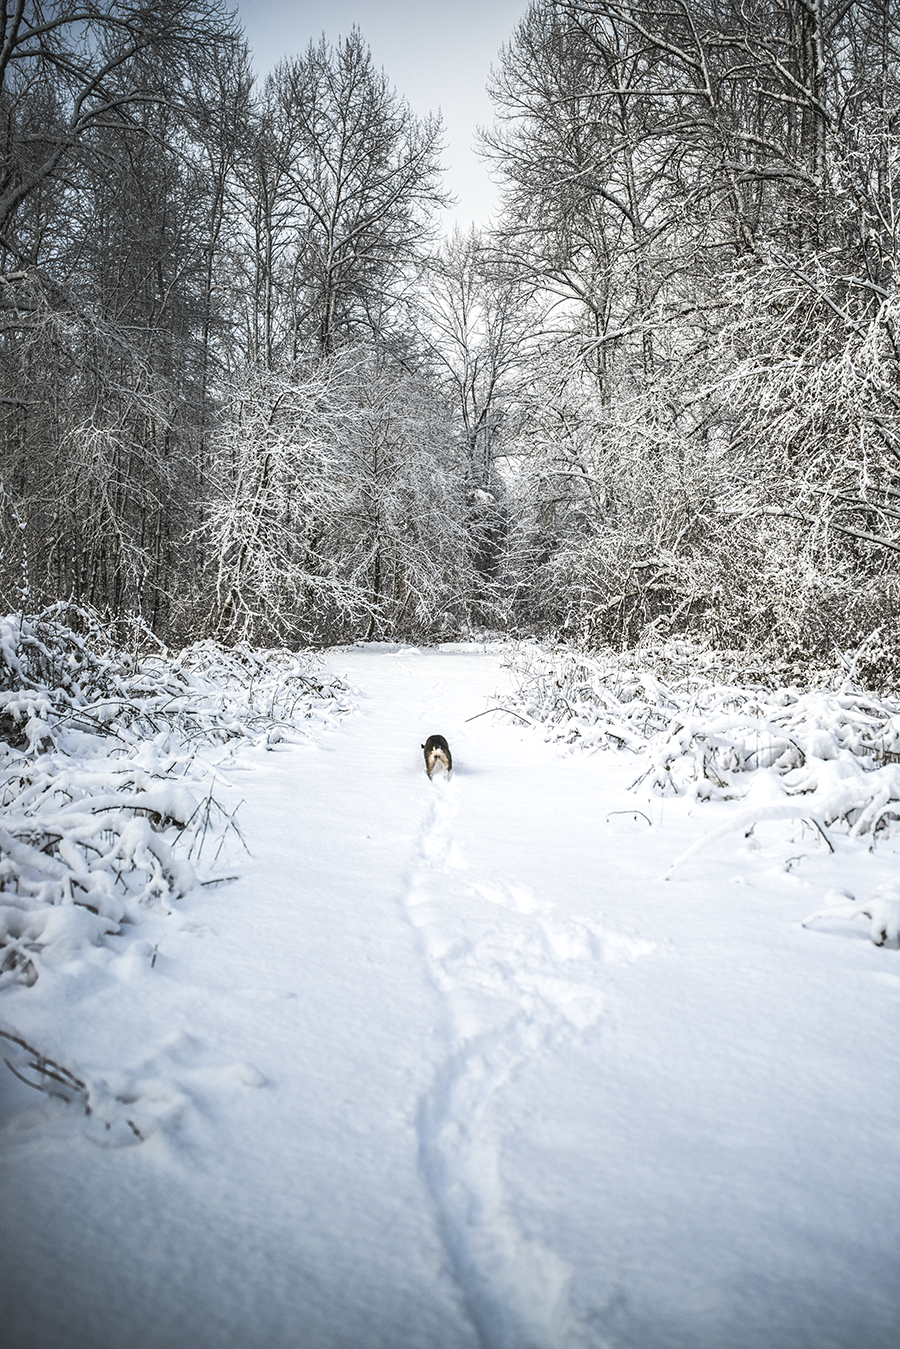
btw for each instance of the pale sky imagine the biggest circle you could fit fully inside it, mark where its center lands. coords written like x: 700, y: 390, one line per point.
x: 437, y: 56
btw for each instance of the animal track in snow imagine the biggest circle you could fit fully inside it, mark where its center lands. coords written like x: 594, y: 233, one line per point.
x: 516, y: 979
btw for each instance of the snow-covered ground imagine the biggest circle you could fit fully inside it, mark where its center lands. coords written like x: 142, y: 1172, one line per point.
x: 464, y: 1063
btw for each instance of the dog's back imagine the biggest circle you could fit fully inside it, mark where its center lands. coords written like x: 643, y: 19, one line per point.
x: 437, y: 751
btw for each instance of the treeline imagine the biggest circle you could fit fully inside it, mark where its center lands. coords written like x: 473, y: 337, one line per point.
x: 709, y: 191
x: 215, y: 409
x: 246, y: 389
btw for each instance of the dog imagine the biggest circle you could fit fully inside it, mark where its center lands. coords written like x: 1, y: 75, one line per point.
x: 437, y: 751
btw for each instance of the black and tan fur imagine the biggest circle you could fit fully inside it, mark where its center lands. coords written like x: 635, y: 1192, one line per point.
x: 437, y: 751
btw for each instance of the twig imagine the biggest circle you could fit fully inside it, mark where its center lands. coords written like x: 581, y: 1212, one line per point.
x: 506, y: 711
x: 632, y: 813
x: 813, y: 820
x: 47, y: 1067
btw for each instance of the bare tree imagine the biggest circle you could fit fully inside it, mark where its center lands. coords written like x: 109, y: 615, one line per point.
x: 86, y: 65
x: 474, y: 318
x: 352, y: 176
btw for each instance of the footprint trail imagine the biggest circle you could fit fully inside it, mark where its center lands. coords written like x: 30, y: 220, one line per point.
x: 515, y: 979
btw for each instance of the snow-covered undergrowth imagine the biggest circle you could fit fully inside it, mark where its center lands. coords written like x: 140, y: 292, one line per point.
x: 108, y: 765
x: 707, y: 727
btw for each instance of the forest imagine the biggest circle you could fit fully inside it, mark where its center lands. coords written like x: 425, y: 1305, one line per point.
x: 251, y: 389
x: 585, y: 1042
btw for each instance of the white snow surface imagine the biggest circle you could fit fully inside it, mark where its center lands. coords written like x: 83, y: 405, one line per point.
x: 466, y: 1063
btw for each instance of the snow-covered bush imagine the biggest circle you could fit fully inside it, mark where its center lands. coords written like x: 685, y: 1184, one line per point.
x: 666, y: 512
x: 701, y: 714
x: 707, y: 725
x: 882, y: 909
x: 107, y: 768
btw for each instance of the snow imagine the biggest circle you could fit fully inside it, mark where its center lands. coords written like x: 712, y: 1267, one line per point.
x: 468, y: 1062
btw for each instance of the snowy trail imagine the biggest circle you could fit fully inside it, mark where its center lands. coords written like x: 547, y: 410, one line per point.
x: 516, y: 981
x: 452, y: 1065
x: 498, y: 980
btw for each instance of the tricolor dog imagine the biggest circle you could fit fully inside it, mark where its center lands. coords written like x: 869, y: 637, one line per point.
x: 437, y: 751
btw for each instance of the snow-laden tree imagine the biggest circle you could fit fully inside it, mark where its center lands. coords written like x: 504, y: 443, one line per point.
x: 340, y: 506
x: 273, y: 503
x: 709, y: 192
x: 614, y: 507
x: 110, y: 210
x: 404, y: 511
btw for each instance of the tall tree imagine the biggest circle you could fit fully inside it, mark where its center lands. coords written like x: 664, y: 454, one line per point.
x: 107, y: 211
x: 85, y: 65
x: 354, y: 177
x: 474, y: 319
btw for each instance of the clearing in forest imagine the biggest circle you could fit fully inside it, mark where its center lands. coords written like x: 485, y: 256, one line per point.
x: 464, y: 1064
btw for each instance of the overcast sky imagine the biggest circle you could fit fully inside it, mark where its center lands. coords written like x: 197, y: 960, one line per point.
x: 437, y: 55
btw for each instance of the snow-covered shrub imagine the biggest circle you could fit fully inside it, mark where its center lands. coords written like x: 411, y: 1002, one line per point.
x: 704, y: 726
x: 882, y: 909
x: 106, y: 771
